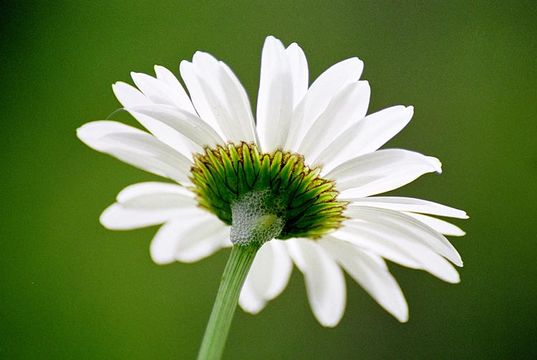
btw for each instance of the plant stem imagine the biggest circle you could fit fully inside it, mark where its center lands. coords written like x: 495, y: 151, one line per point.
x: 217, y: 330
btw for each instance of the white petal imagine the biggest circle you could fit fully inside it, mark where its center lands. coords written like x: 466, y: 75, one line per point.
x: 131, y: 98
x: 324, y: 279
x: 166, y: 161
x: 146, y: 204
x: 203, y: 108
x: 381, y: 171
x: 177, y: 94
x: 135, y: 147
x: 119, y: 217
x: 158, y: 92
x: 238, y: 104
x: 91, y: 133
x: 319, y: 95
x: 250, y: 301
x: 380, y: 243
x: 386, y: 242
x: 268, y: 276
x: 410, y: 204
x: 348, y: 106
x: 271, y: 269
x: 189, y: 238
x: 406, y: 226
x: 365, y: 136
x: 275, y: 98
x: 299, y: 71
x: 371, y: 273
x: 189, y: 125
x: 219, y: 97
x: 151, y: 195
x: 443, y: 227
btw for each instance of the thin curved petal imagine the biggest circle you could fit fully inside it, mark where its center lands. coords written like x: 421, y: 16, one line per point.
x: 371, y: 273
x: 388, y: 243
x: 365, y: 136
x: 118, y: 217
x: 407, y: 204
x: 131, y: 98
x: 275, y: 101
x: 442, y: 226
x: 381, y: 171
x: 189, y: 125
x: 135, y: 147
x: 299, y: 71
x: 250, y: 301
x: 146, y: 204
x: 152, y: 194
x: 238, y: 103
x: 267, y: 278
x: 319, y: 95
x: 382, y: 244
x: 406, y: 226
x: 324, y: 279
x: 172, y: 164
x: 177, y: 93
x: 189, y: 238
x: 156, y: 91
x: 348, y: 106
x: 219, y: 97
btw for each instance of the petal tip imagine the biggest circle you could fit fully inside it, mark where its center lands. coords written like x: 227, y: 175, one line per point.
x: 436, y: 164
x: 365, y: 84
x: 158, y: 256
x: 402, y: 318
x: 184, y: 65
x: 454, y: 280
x: 106, y: 219
x: 251, y: 310
x: 161, y: 71
x: 250, y: 305
x: 329, y: 324
x: 271, y: 41
x: 86, y: 132
x: 80, y: 132
x: 359, y: 63
x: 160, y: 261
x: 117, y: 85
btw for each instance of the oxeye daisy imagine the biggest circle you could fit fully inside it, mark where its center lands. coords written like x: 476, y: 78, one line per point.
x: 296, y: 185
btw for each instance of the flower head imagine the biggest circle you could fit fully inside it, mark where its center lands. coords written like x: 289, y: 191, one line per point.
x: 309, y: 166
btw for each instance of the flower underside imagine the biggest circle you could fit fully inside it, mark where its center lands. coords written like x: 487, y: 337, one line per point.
x: 283, y: 186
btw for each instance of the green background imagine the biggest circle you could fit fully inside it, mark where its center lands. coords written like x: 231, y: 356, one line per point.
x: 69, y: 289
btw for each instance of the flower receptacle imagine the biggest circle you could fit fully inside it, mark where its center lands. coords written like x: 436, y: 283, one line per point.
x: 255, y: 219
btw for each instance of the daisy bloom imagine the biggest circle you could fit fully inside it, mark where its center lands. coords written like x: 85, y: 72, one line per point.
x: 298, y: 183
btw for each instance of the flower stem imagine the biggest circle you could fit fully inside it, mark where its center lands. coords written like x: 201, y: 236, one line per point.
x: 217, y: 330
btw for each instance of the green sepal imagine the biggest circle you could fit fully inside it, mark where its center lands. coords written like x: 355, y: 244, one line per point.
x: 295, y: 193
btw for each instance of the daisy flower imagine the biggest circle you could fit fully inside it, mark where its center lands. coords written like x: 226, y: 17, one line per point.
x: 308, y: 169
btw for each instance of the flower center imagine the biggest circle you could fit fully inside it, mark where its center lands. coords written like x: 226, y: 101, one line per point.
x: 237, y: 180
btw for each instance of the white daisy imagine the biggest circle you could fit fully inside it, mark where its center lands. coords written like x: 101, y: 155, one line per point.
x: 311, y: 158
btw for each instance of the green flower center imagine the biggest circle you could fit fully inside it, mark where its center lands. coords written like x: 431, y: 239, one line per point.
x: 236, y: 181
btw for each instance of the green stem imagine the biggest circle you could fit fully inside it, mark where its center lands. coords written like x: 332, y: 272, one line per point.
x: 237, y: 268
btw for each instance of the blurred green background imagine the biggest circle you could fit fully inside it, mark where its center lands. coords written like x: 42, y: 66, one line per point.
x: 72, y: 290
